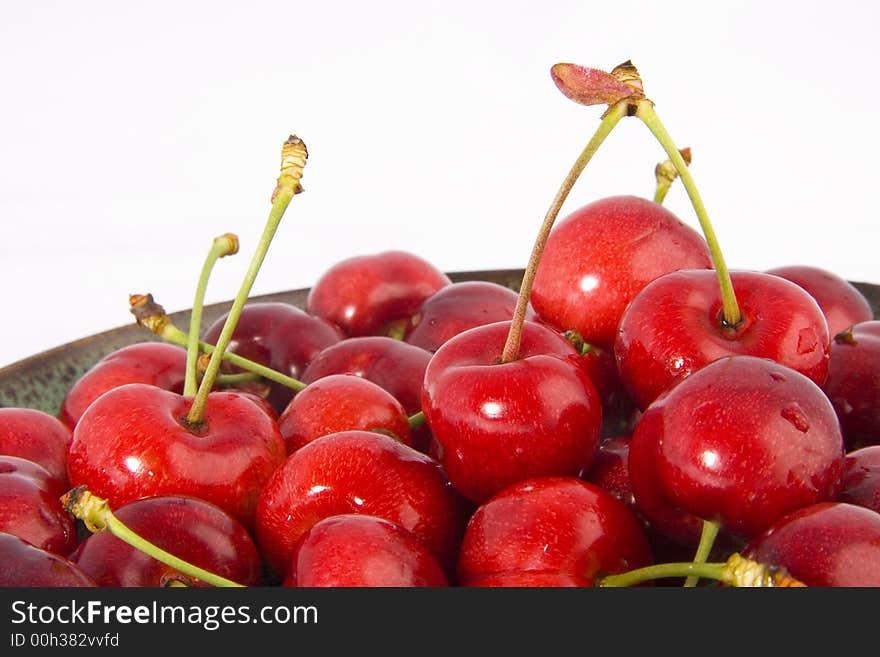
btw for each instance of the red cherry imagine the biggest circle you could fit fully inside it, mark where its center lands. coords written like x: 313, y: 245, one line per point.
x: 601, y: 255
x: 552, y: 525
x: 36, y: 436
x: 359, y: 472
x: 458, y: 307
x: 279, y: 336
x: 841, y: 302
x: 861, y: 478
x: 497, y: 424
x: 134, y: 442
x: 340, y: 402
x: 365, y: 295
x: 741, y: 442
x: 193, y: 530
x: 828, y: 544
x: 26, y: 565
x: 610, y: 470
x: 30, y: 507
x: 853, y: 383
x: 156, y: 363
x: 673, y: 327
x: 363, y: 551
x: 530, y: 579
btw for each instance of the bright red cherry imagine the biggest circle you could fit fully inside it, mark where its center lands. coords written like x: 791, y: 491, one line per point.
x: 134, y: 441
x: 861, y: 478
x: 828, y: 544
x: 741, y: 442
x: 370, y: 294
x: 341, y: 402
x: 610, y: 470
x: 552, y: 525
x: 841, y: 302
x: 363, y: 551
x: 498, y: 423
x: 674, y: 326
x: 598, y: 257
x: 26, y: 565
x: 36, y: 436
x: 193, y: 530
x: 359, y: 472
x: 156, y: 363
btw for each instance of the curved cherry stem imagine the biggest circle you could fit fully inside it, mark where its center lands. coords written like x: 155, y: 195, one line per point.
x: 294, y: 156
x: 665, y: 173
x: 222, y: 246
x: 645, y: 111
x: 416, y: 420
x: 707, y: 540
x: 95, y: 512
x: 514, y: 336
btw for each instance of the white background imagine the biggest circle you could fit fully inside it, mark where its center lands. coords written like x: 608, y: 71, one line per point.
x: 131, y: 134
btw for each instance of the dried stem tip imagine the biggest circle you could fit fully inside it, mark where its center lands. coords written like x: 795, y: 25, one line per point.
x: 665, y: 171
x: 82, y: 505
x: 229, y: 242
x: 742, y: 572
x: 293, y: 160
x: 148, y: 313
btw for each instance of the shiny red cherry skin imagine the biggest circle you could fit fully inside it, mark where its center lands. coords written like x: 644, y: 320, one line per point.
x: 861, y: 478
x: 674, y: 326
x: 37, y: 568
x: 355, y: 550
x: 598, y: 257
x: 558, y: 525
x: 134, y: 442
x: 279, y: 336
x: 741, y: 442
x: 368, y: 294
x: 359, y: 472
x: 196, y: 531
x: 156, y: 363
x: 841, y: 302
x: 499, y: 423
x: 853, y: 383
x: 36, y: 436
x: 341, y: 402
x: 827, y: 544
x: 610, y: 470
x: 30, y: 507
x: 529, y: 579
x: 458, y: 307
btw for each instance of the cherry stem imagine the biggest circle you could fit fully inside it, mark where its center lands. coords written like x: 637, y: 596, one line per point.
x: 293, y: 159
x: 514, y: 336
x: 666, y: 173
x: 416, y: 420
x: 96, y: 514
x: 235, y: 379
x: 222, y: 246
x: 736, y: 571
x: 707, y: 540
x: 645, y: 111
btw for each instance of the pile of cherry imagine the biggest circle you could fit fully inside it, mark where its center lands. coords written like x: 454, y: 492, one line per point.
x: 636, y: 413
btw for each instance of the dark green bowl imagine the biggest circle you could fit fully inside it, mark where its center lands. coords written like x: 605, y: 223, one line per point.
x: 42, y: 380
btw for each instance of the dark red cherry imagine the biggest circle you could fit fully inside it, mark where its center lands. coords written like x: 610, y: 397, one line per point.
x: 36, y: 436
x: 25, y: 565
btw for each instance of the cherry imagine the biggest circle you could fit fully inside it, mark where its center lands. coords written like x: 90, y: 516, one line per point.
x: 358, y: 472
x: 675, y: 326
x: 190, y: 528
x: 340, y: 402
x: 36, y: 436
x: 374, y: 294
x: 458, y: 307
x: 496, y: 422
x: 529, y: 579
x: 853, y: 383
x: 740, y: 442
x: 26, y: 565
x: 280, y: 336
x: 601, y: 255
x: 552, y: 525
x: 841, y: 302
x: 610, y: 470
x: 363, y: 551
x: 827, y: 544
x: 861, y: 478
x: 30, y: 506
x: 156, y: 363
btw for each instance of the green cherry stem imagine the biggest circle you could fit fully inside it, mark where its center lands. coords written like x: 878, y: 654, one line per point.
x: 416, y: 420
x: 235, y: 379
x: 224, y: 245
x: 707, y: 540
x: 293, y: 160
x: 730, y: 308
x: 514, y: 336
x: 96, y: 514
x: 666, y: 173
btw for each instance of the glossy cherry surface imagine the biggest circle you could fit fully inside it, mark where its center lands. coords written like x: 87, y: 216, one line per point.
x: 861, y: 478
x: 36, y: 436
x: 26, y: 565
